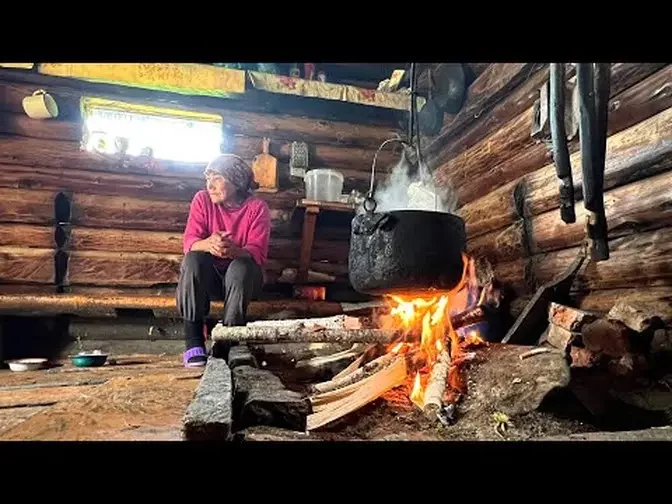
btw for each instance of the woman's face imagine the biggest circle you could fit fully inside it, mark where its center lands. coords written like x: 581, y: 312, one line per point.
x: 219, y: 189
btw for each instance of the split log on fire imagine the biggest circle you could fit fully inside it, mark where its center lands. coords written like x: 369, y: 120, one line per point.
x: 366, y: 391
x: 326, y: 366
x: 366, y: 370
x: 636, y: 153
x: 436, y: 386
x: 295, y: 334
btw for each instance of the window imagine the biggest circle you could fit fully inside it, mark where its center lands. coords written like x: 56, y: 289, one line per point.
x: 171, y: 135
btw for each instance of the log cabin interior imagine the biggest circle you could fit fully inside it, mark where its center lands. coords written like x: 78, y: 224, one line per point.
x: 489, y: 260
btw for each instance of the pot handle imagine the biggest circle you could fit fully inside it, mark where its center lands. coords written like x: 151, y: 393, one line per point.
x: 369, y: 204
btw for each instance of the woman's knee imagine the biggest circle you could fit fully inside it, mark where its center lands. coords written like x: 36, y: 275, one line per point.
x: 241, y: 270
x: 195, y: 261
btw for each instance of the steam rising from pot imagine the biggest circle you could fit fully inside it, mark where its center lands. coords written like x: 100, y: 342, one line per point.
x: 411, y: 187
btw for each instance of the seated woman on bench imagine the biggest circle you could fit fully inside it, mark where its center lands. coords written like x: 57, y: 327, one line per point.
x: 225, y: 245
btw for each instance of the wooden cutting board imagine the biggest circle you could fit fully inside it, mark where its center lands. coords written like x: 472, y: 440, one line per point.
x: 265, y: 168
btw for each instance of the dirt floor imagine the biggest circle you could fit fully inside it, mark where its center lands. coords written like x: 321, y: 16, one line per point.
x: 135, y: 398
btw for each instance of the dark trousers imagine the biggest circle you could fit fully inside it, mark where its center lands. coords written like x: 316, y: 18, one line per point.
x: 201, y: 281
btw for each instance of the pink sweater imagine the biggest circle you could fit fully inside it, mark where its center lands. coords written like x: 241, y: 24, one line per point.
x: 250, y: 224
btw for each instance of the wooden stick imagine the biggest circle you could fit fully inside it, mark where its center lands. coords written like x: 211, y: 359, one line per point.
x: 436, y: 385
x: 368, y: 369
x: 369, y: 390
x: 353, y: 366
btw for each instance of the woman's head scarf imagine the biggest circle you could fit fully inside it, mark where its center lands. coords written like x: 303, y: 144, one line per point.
x: 235, y: 170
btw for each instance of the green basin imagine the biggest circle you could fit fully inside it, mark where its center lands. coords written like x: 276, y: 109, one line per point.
x: 89, y: 360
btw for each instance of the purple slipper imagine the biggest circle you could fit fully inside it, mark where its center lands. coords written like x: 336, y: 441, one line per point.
x: 195, y: 357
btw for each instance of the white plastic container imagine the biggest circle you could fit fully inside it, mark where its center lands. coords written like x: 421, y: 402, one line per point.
x: 323, y: 185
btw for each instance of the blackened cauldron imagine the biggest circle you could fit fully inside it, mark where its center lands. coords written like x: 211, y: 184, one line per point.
x: 406, y: 251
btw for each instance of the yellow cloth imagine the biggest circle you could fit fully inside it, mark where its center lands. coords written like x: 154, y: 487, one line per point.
x: 184, y: 78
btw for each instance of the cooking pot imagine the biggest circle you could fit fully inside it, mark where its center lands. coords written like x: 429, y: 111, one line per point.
x: 405, y: 251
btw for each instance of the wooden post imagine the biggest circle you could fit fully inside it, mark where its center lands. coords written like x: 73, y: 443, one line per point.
x: 310, y: 219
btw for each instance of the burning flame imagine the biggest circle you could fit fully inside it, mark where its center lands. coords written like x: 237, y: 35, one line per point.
x: 430, y: 317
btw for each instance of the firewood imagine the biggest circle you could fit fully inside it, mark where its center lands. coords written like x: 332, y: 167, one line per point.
x: 366, y: 370
x: 633, y: 154
x: 568, y: 318
x: 368, y: 390
x: 353, y: 366
x: 292, y: 334
x: 606, y: 336
x: 334, y: 322
x: 326, y: 366
x: 436, y: 386
x: 559, y: 337
x: 639, y: 317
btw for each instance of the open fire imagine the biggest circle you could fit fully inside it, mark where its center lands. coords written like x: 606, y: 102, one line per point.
x: 433, y: 346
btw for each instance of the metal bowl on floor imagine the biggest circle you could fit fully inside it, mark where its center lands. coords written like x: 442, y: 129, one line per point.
x: 27, y: 364
x: 89, y: 359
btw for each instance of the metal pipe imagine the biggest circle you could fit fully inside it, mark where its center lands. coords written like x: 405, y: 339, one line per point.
x: 561, y: 159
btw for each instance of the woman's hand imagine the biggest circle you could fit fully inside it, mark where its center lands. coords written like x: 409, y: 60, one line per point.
x: 229, y: 249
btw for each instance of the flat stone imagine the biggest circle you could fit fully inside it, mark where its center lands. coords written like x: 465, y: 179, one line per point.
x: 209, y: 415
x: 608, y: 337
x: 583, y: 358
x: 503, y: 382
x: 559, y: 337
x: 260, y: 398
x: 241, y: 355
x: 570, y: 319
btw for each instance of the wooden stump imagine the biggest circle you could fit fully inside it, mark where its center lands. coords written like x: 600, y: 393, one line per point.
x: 208, y: 417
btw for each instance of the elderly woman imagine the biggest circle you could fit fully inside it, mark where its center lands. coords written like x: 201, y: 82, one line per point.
x: 225, y: 246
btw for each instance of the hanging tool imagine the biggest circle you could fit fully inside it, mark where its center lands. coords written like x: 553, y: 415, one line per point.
x: 593, y: 87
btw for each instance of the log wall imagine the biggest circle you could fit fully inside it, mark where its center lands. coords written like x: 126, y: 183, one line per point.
x: 120, y: 226
x: 508, y: 190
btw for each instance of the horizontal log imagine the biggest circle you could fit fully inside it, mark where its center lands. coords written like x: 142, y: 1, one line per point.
x: 275, y: 126
x: 602, y: 301
x: 26, y: 265
x: 27, y: 236
x: 27, y: 206
x: 511, y: 152
x: 640, y: 260
x: 636, y: 153
x: 96, y: 301
x: 623, y: 76
x: 498, y: 80
x: 123, y: 240
x: 641, y: 206
x: 67, y: 153
x: 134, y: 329
x: 128, y: 269
x: 93, y: 182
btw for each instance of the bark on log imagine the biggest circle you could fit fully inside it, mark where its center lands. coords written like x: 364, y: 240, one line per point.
x: 641, y: 260
x: 278, y: 127
x: 26, y: 265
x: 87, y: 301
x: 209, y: 415
x: 291, y: 334
x: 491, y: 86
x: 27, y: 206
x: 633, y: 154
x: 634, y: 208
x: 27, y: 236
x: 436, y: 385
x: 511, y: 152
